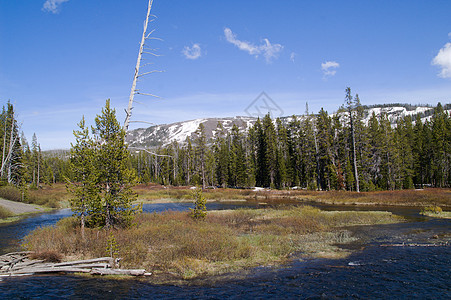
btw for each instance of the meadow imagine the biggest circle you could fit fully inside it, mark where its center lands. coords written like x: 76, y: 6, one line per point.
x: 173, y: 245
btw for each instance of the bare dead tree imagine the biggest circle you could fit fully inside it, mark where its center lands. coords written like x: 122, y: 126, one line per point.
x: 350, y: 105
x: 8, y: 151
x: 143, y: 49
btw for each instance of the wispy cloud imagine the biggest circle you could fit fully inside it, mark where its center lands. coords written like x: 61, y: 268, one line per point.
x: 193, y: 52
x: 268, y: 50
x: 443, y: 60
x: 329, y: 68
x: 293, y: 56
x: 53, y: 6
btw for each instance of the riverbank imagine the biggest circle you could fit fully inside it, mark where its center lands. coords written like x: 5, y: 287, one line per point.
x: 13, y: 210
x: 56, y: 196
x: 420, y: 197
x: 173, y: 246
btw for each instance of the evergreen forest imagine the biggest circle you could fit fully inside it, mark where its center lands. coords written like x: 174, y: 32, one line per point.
x: 313, y: 151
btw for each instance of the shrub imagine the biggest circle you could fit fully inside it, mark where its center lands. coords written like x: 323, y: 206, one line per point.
x: 10, y: 192
x: 200, y: 210
x: 5, y: 213
x: 433, y: 209
x: 47, y: 256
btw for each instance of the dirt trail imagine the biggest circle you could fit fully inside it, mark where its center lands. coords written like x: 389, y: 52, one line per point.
x: 19, y: 207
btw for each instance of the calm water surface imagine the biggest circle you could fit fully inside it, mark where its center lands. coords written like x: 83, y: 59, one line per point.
x: 374, y: 272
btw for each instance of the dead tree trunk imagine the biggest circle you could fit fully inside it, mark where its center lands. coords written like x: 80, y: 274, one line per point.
x: 136, y: 76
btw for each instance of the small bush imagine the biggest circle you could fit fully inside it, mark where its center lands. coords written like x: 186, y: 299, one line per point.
x: 10, y: 192
x: 47, y: 256
x: 5, y: 213
x: 433, y: 209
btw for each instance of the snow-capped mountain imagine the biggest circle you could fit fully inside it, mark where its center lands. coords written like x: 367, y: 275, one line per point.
x: 162, y: 135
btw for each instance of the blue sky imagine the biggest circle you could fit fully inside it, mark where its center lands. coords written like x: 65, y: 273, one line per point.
x: 61, y: 59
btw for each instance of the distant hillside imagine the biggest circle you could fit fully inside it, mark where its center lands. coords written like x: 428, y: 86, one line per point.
x: 162, y: 135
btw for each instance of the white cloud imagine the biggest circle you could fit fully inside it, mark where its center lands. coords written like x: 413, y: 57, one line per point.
x: 193, y: 52
x: 443, y: 60
x: 449, y: 35
x: 329, y: 68
x: 53, y: 5
x: 292, y: 56
x: 268, y: 50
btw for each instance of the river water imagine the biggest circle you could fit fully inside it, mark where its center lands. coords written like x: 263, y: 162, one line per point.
x: 375, y: 271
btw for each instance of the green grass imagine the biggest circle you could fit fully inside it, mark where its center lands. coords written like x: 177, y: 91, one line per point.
x: 174, y: 243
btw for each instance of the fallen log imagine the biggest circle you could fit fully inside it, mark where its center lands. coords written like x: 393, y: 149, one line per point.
x: 48, y: 270
x: 28, y: 263
x: 24, y: 253
x: 135, y: 272
x: 413, y: 245
x: 86, y: 261
x: 83, y: 266
x: 18, y: 264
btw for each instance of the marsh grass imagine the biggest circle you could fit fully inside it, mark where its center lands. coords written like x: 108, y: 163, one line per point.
x: 174, y: 243
x: 53, y: 196
x: 429, y: 196
x: 56, y: 196
x: 5, y: 213
x: 10, y: 193
x: 50, y: 196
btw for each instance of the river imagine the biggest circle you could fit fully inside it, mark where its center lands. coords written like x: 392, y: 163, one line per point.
x: 373, y: 271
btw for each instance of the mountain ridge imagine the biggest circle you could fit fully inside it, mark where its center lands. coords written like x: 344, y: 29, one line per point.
x: 165, y: 134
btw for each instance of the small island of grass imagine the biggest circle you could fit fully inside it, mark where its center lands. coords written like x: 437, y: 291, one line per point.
x: 176, y: 245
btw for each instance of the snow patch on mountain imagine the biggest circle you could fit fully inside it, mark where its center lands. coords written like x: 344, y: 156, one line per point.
x: 165, y: 134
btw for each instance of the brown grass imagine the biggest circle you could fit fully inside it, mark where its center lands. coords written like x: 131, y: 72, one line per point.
x: 5, y: 213
x: 54, y: 196
x: 172, y: 242
x: 429, y: 196
x: 57, y: 196
x: 47, y: 256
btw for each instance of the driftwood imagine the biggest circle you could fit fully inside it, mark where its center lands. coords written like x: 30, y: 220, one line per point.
x: 414, y: 245
x: 137, y: 272
x: 18, y: 264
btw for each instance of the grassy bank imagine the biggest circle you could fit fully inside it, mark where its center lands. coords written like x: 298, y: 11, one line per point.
x: 52, y: 196
x: 436, y: 212
x: 56, y: 196
x: 430, y: 196
x: 173, y: 243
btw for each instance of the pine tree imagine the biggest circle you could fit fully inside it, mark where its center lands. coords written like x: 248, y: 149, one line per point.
x: 221, y: 153
x: 85, y: 201
x: 115, y: 179
x: 237, y: 159
x: 418, y: 152
x: 324, y: 140
x: 201, y: 147
x: 440, y: 146
x: 309, y: 152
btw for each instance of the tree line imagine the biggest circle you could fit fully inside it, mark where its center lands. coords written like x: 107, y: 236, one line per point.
x: 316, y: 152
x: 25, y: 165
x: 313, y: 151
